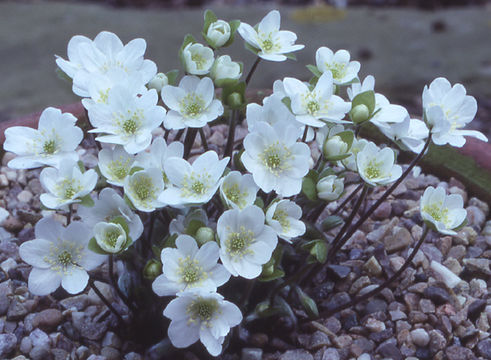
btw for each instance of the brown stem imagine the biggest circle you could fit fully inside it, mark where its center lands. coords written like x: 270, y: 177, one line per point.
x: 254, y: 66
x: 229, y: 147
x: 105, y: 301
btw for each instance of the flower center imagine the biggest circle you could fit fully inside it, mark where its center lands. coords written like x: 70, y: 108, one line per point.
x: 130, y: 126
x: 282, y: 217
x: 267, y: 45
x: 103, y: 96
x: 119, y: 168
x: 195, y: 185
x: 338, y: 70
x: 68, y: 188
x: 234, y: 194
x: 143, y: 188
x: 274, y: 157
x: 202, y: 310
x: 372, y: 171
x: 237, y: 243
x: 199, y: 60
x: 192, y: 105
x: 49, y: 147
x: 130, y: 122
x: 65, y: 258
x: 62, y: 256
x: 313, y: 107
x: 190, y: 271
x: 437, y: 212
x: 111, y: 237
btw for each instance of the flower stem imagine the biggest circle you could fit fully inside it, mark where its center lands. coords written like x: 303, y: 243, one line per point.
x: 69, y: 214
x: 304, y: 136
x: 384, y: 285
x: 389, y: 191
x: 229, y: 147
x: 254, y: 66
x: 189, y: 141
x: 203, y: 139
x: 348, y: 199
x: 105, y: 301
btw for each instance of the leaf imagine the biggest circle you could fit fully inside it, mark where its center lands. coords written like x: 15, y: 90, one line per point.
x: 81, y: 166
x: 366, y: 98
x: 347, y: 137
x: 288, y: 102
x: 314, y: 70
x: 251, y: 48
x: 225, y: 82
x: 308, y: 303
x: 319, y: 251
x: 234, y: 25
x: 291, y: 56
x: 121, y: 221
x: 87, y: 201
x: 276, y: 274
x: 309, y: 188
x: 172, y: 76
x: 331, y: 222
x: 193, y: 227
x: 93, y: 246
x: 209, y: 18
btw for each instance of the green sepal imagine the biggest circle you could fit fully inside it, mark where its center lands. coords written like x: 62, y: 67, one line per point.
x: 259, y: 202
x: 221, y: 83
x: 308, y: 303
x: 347, y: 137
x: 319, y: 251
x: 309, y: 185
x: 209, y: 18
x: 331, y: 222
x: 314, y: 70
x: 94, y: 246
x: 170, y: 241
x: 63, y: 75
x: 86, y: 201
x: 251, y: 48
x: 291, y: 56
x: 234, y: 25
x: 156, y: 251
x: 193, y: 226
x: 288, y: 102
x: 366, y: 98
x: 81, y: 166
x: 119, y: 220
x: 276, y: 274
x: 326, y: 172
x: 236, y: 88
x: 134, y: 169
x: 238, y: 162
x: 461, y: 226
x: 172, y: 76
x: 128, y: 202
x: 188, y: 39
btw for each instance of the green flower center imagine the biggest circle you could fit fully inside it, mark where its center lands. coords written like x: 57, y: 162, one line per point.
x: 65, y: 258
x: 313, y: 107
x: 192, y: 105
x: 49, y: 147
x: 267, y: 45
x: 119, y: 168
x: 338, y: 70
x: 437, y: 212
x: 202, y: 309
x: 372, y: 171
x: 274, y: 157
x: 199, y: 60
x: 237, y: 243
x: 143, y: 188
x: 195, y: 185
x: 62, y: 255
x: 190, y: 271
x: 111, y: 237
x: 130, y: 126
x: 234, y: 194
x: 282, y: 217
x: 68, y: 188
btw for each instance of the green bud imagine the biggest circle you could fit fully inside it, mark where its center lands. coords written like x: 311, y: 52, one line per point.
x: 335, y: 146
x: 234, y: 100
x: 204, y: 235
x: 308, y: 303
x: 152, y: 269
x: 360, y: 113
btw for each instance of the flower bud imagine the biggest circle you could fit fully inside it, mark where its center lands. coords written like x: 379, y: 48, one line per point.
x: 335, y: 146
x: 330, y: 188
x: 204, y: 235
x: 152, y: 269
x: 218, y: 33
x: 234, y: 100
x: 198, y: 59
x: 360, y: 113
x: 158, y: 82
x: 110, y: 237
x: 225, y: 68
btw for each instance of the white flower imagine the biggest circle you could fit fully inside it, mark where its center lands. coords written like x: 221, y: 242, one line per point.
x: 318, y: 106
x: 326, y: 132
x: 56, y: 139
x: 127, y: 119
x: 110, y: 237
x: 338, y: 64
x: 335, y: 146
x: 447, y: 110
x: 274, y: 157
x: 225, y: 68
x: 180, y: 224
x: 360, y: 87
x: 271, y: 42
x: 218, y: 33
x: 59, y: 256
x: 198, y: 59
x: 245, y: 242
x: 191, y: 104
x: 409, y: 134
x: 158, y: 82
x: 158, y: 155
x: 115, y: 164
x: 66, y: 185
x: 143, y: 188
x: 189, y: 267
x: 272, y: 111
x: 444, y: 212
x: 106, y: 208
x: 377, y: 166
x: 357, y: 146
x: 284, y: 217
x: 193, y: 184
x: 330, y: 188
x: 89, y: 59
x: 237, y: 190
x: 201, y: 316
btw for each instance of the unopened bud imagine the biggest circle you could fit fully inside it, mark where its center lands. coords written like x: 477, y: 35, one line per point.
x: 360, y: 113
x: 335, y: 146
x: 234, y: 100
x: 204, y: 235
x: 158, y: 82
x: 152, y: 269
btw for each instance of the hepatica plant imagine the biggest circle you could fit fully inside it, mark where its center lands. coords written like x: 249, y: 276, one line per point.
x: 211, y: 236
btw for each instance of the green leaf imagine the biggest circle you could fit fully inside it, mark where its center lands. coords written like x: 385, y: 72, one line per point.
x: 121, y: 221
x: 172, y: 76
x: 225, y: 82
x: 93, y: 246
x: 327, y: 172
x: 308, y: 303
x: 291, y: 56
x: 319, y: 251
x: 331, y: 222
x: 62, y: 75
x: 188, y: 39
x: 234, y: 25
x: 209, y: 18
x: 193, y: 226
x: 276, y: 274
x: 347, y: 137
x: 235, y: 88
x: 309, y: 188
x: 87, y: 201
x: 251, y: 48
x: 288, y: 102
x: 366, y: 98
x: 314, y: 70
x: 81, y: 166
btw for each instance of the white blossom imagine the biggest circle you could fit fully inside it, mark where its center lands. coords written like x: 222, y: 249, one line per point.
x: 59, y: 256
x: 444, y: 212
x: 110, y: 237
x: 218, y: 33
x: 108, y: 206
x: 115, y: 164
x: 330, y: 188
x: 274, y: 157
x: 377, y: 166
x: 201, y: 316
x: 270, y: 42
x: 191, y: 104
x: 409, y: 134
x: 55, y: 140
x: 357, y: 146
x: 284, y: 217
x: 272, y: 111
x: 338, y: 64
x: 143, y: 188
x: 237, y: 190
x: 198, y: 59
x: 188, y: 267
x: 317, y: 106
x: 245, y: 242
x: 66, y: 185
x: 193, y: 184
x: 447, y: 111
x: 225, y: 68
x: 158, y: 82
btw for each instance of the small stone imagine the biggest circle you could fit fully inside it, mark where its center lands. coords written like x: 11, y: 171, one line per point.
x: 475, y: 216
x: 105, y: 289
x: 416, y: 317
x: 453, y: 265
x: 251, y: 354
x: 96, y: 357
x: 296, y: 355
x: 478, y: 266
x: 4, y: 182
x: 78, y: 302
x: 383, y: 211
x: 448, y: 277
x: 7, y: 344
x: 110, y: 353
x: 360, y: 346
x: 82, y: 352
x: 25, y: 345
x: 24, y: 196
x: 359, y: 284
x: 436, y: 294
x: 426, y: 306
x: 364, y: 357
x: 484, y: 348
x: 12, y: 224
x: 331, y: 354
x: 382, y: 231
x: 337, y: 300
x: 40, y: 353
x: 396, y: 262
x: 397, y: 315
x: 457, y: 352
x: 420, y: 337
x: 389, y: 350
x: 437, y: 341
x: 133, y: 356
x: 40, y: 338
x: 259, y: 340
x: 47, y: 319
x: 88, y: 327
x: 475, y: 309
x: 339, y: 272
x: 342, y: 341
x: 318, y: 340
x: 60, y: 354
x: 373, y: 267
x: 16, y: 310
x: 111, y: 339
x: 374, y: 325
x: 400, y: 239
x: 8, y: 264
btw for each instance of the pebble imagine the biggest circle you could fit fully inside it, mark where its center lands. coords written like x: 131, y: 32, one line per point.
x: 24, y: 196
x: 16, y: 310
x: 339, y: 272
x: 437, y: 341
x: 373, y: 267
x: 457, y: 352
x: 484, y: 348
x: 382, y: 231
x: 448, y: 277
x: 426, y: 306
x: 383, y: 211
x: 4, y: 182
x: 318, y: 340
x: 437, y: 295
x: 105, y: 289
x: 475, y: 216
x: 78, y: 302
x: 397, y: 315
x: 296, y: 355
x: 331, y: 354
x: 87, y: 327
x: 389, y: 350
x: 25, y: 345
x: 111, y: 339
x: 47, y: 319
x: 420, y: 337
x: 110, y: 353
x: 7, y: 344
x: 359, y: 284
x: 374, y: 325
x: 400, y: 239
x: 475, y: 309
x: 478, y: 266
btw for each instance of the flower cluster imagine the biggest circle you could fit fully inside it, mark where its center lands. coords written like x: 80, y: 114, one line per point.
x: 193, y: 220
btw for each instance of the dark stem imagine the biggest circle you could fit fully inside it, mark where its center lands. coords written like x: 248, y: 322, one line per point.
x: 69, y: 215
x: 229, y: 147
x: 203, y: 139
x: 189, y: 141
x: 348, y: 199
x: 114, y: 284
x: 179, y: 135
x: 247, y: 294
x: 166, y: 134
x: 389, y: 191
x: 298, y: 276
x: 304, y: 136
x: 254, y: 66
x: 384, y: 285
x: 105, y: 301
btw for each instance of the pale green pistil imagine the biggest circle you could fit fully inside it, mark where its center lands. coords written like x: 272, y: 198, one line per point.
x: 190, y: 270
x: 238, y: 243
x: 192, y: 105
x: 436, y: 212
x: 112, y: 237
x: 49, y: 147
x: 65, y: 258
x: 267, y: 45
x: 198, y: 60
x: 337, y: 70
x: 198, y: 188
x: 130, y: 126
x: 372, y: 171
x: 202, y: 309
x: 143, y: 188
x: 313, y: 107
x: 282, y: 217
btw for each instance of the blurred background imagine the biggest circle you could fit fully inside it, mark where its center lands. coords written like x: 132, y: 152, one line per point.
x: 405, y: 44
